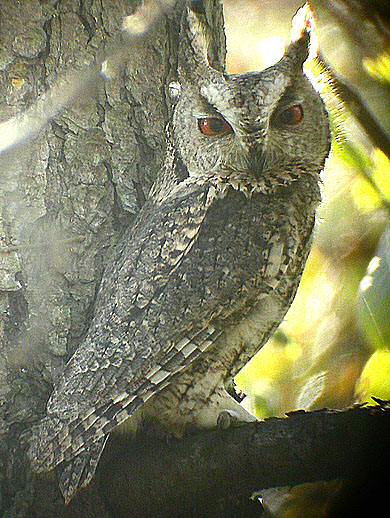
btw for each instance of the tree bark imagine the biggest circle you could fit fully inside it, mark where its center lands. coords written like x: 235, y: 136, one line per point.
x: 67, y: 196
x: 215, y: 473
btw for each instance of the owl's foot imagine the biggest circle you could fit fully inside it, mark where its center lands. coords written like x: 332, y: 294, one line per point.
x: 229, y: 418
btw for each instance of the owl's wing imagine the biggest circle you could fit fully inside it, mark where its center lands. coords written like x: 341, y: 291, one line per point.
x: 122, y: 363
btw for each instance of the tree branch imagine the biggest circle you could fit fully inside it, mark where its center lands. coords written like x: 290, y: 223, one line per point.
x: 357, y: 106
x: 214, y: 473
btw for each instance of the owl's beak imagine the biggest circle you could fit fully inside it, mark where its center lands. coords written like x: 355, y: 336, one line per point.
x: 256, y: 159
x: 253, y: 152
x: 257, y: 163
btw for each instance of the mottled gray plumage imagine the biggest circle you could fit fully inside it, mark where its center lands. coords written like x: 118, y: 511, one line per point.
x: 208, y: 271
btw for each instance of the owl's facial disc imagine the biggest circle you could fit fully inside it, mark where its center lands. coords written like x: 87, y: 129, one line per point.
x: 264, y: 128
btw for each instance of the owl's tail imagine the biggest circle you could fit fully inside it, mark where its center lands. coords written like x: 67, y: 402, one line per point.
x: 78, y: 472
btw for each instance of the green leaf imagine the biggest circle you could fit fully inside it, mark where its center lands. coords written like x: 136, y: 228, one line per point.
x: 373, y: 308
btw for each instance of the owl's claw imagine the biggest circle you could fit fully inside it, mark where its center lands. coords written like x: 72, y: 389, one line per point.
x: 229, y: 418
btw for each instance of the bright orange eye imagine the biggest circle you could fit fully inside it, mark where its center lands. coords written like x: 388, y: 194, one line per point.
x: 292, y: 116
x: 213, y: 126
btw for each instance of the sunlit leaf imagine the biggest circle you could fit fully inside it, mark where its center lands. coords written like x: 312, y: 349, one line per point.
x: 373, y: 308
x: 364, y: 195
x: 265, y: 399
x: 375, y: 378
x: 311, y: 391
x: 371, y: 185
x: 322, y: 81
x: 379, y: 68
x: 381, y: 172
x: 273, y: 362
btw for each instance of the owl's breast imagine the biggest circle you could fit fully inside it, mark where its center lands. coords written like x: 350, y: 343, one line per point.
x: 246, y: 248
x: 250, y: 257
x: 240, y: 276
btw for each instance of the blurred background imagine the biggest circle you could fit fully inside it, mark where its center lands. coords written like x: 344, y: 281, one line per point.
x: 333, y: 346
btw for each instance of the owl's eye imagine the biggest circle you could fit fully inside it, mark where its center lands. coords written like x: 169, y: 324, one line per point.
x: 214, y: 126
x: 291, y: 116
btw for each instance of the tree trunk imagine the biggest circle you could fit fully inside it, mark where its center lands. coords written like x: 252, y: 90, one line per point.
x: 67, y: 196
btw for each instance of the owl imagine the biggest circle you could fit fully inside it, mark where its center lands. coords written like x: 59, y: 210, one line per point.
x: 210, y: 268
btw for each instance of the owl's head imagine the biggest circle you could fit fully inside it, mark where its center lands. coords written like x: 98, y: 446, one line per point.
x: 265, y: 128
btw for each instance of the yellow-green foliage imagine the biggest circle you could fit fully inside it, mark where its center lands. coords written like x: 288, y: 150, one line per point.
x: 333, y: 349
x: 375, y: 378
x: 379, y: 68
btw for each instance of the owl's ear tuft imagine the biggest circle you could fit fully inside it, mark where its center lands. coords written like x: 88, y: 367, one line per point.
x: 298, y: 52
x: 304, y: 42
x: 195, y: 40
x: 302, y: 23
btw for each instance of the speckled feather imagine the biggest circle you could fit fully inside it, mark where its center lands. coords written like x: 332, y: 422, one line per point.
x: 125, y: 343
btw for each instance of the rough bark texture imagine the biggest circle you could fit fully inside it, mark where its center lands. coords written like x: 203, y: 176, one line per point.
x: 215, y: 473
x: 66, y: 197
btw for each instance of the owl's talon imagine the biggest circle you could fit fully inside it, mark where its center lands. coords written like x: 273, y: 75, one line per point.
x: 227, y: 419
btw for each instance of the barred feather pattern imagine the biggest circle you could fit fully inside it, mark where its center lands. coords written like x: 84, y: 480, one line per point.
x: 120, y: 342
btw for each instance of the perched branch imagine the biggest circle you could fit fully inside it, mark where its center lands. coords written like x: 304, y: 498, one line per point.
x: 213, y: 473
